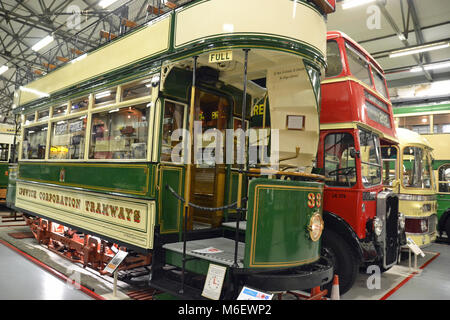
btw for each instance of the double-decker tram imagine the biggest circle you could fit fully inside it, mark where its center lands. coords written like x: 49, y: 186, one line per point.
x: 433, y: 123
x: 362, y: 221
x: 149, y: 150
x: 407, y: 169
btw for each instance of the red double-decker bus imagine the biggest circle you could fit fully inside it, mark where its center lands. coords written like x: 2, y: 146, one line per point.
x: 362, y: 223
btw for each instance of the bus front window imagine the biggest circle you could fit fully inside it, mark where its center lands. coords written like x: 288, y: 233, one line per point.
x: 389, y: 156
x: 416, y: 168
x: 370, y: 158
x: 340, y: 168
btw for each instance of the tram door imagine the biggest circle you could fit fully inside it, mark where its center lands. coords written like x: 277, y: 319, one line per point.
x: 209, y: 171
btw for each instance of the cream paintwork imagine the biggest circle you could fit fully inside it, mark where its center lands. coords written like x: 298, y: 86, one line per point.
x: 212, y: 19
x: 144, y: 43
x: 138, y: 234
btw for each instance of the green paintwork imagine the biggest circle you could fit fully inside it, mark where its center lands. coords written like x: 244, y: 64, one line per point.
x: 129, y: 179
x: 443, y: 203
x: 4, y: 174
x: 277, y: 220
x: 170, y: 210
x: 421, y: 109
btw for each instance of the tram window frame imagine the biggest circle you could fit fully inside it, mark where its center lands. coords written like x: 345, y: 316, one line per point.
x: 43, y: 115
x: 136, y: 84
x: 73, y: 102
x: 29, y: 118
x: 115, y: 110
x: 25, y: 138
x: 351, y: 53
x: 73, y: 142
x: 100, y: 97
x: 56, y: 113
x: 4, y: 152
x: 184, y: 127
x: 337, y: 55
x: 350, y: 145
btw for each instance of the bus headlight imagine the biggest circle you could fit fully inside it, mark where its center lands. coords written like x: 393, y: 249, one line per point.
x: 315, y: 227
x: 378, y: 226
x: 401, y: 221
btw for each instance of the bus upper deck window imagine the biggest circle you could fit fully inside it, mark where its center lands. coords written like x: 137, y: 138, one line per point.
x: 358, y: 65
x: 334, y: 64
x: 379, y: 82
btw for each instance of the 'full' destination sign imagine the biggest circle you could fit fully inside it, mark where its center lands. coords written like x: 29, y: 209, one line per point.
x: 221, y: 56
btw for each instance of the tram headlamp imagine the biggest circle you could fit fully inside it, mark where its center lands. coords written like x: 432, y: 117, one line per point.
x: 401, y: 221
x: 315, y: 226
x: 378, y: 226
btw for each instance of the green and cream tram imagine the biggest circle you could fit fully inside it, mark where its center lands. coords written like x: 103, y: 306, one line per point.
x: 140, y: 143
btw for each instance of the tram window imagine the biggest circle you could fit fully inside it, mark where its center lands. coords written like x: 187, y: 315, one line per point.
x: 444, y: 178
x: 120, y: 133
x: 43, y: 115
x: 380, y: 85
x: 34, y: 142
x: 4, y: 151
x: 334, y: 64
x: 441, y: 123
x: 105, y: 97
x: 67, y: 139
x: 389, y: 156
x: 137, y: 89
x: 340, y: 164
x: 416, y: 168
x: 60, y: 111
x: 370, y: 156
x: 174, y: 114
x: 80, y: 104
x: 358, y: 66
x: 29, y: 118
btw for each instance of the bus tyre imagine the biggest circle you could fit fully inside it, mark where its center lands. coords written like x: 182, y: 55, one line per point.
x: 447, y: 227
x: 341, y: 255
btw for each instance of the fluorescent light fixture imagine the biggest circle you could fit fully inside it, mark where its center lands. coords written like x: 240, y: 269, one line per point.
x: 44, y: 42
x: 102, y: 94
x: 420, y: 49
x: 60, y: 122
x: 431, y: 67
x: 401, y: 37
x: 36, y: 92
x: 348, y: 4
x: 106, y: 3
x: 115, y: 110
x: 3, y: 69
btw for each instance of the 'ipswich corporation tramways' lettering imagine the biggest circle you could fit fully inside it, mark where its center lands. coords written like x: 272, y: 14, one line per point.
x: 105, y: 209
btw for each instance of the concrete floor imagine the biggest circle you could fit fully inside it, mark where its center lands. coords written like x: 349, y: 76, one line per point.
x: 20, y: 279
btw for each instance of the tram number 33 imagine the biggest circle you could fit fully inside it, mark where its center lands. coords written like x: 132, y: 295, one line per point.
x: 314, y: 200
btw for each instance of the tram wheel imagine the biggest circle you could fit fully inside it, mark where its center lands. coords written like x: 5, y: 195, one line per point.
x: 341, y: 255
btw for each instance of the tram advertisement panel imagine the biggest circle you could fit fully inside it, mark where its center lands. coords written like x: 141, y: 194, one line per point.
x: 128, y: 220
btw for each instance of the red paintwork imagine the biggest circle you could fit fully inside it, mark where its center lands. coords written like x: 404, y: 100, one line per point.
x: 344, y: 102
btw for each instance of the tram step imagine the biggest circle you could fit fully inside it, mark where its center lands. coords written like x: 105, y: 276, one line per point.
x: 224, y: 255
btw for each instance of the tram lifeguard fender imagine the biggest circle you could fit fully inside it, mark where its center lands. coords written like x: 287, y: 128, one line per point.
x: 343, y: 229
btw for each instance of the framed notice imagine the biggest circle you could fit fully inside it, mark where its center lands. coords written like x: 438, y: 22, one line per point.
x: 214, y: 282
x: 295, y: 122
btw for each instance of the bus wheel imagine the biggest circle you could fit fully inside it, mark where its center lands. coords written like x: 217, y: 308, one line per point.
x: 447, y: 227
x: 340, y: 254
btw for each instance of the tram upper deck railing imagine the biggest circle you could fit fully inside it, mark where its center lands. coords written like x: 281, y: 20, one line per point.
x: 200, y: 25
